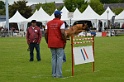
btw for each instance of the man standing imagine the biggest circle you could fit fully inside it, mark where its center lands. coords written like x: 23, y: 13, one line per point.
x: 55, y: 37
x: 33, y: 39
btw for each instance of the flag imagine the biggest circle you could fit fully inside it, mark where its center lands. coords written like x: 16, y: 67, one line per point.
x: 83, y: 55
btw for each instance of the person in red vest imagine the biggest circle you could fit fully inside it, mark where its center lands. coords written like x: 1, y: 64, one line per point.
x: 56, y: 40
x: 33, y: 39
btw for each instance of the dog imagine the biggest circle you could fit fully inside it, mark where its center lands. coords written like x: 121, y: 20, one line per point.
x: 75, y: 30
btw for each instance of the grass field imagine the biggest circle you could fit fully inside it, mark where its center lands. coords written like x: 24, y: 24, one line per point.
x: 15, y: 65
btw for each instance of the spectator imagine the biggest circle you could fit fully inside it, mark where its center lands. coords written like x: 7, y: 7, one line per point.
x: 100, y: 26
x: 33, y: 40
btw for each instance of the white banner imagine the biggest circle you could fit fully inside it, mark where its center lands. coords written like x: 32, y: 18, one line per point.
x: 83, y: 55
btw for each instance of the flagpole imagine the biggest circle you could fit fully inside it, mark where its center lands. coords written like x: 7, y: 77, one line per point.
x: 7, y: 16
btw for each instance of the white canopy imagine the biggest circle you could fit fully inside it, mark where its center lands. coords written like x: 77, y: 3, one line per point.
x: 64, y: 14
x: 40, y: 15
x: 76, y: 13
x: 17, y: 17
x: 107, y: 14
x: 120, y: 16
x: 88, y: 14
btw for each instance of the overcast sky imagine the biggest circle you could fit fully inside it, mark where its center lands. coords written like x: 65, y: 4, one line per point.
x: 36, y: 1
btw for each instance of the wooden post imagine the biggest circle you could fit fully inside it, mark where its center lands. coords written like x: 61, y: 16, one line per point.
x: 72, y: 55
x: 93, y: 65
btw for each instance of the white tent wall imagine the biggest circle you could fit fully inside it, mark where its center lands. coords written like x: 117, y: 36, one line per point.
x: 25, y: 26
x: 4, y: 24
x: 104, y: 24
x: 120, y: 21
x: 18, y: 18
x: 1, y: 24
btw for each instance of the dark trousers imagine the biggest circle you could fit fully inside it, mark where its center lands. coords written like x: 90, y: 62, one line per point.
x: 37, y: 47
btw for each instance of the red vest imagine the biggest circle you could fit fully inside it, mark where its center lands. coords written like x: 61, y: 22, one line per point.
x: 54, y: 34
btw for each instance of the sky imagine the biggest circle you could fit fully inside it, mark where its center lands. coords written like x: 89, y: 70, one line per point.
x: 30, y: 2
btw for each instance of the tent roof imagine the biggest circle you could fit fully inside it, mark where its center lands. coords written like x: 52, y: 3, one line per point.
x: 76, y: 13
x: 107, y: 14
x: 88, y: 14
x: 64, y: 13
x: 120, y: 16
x: 40, y: 15
x: 17, y: 17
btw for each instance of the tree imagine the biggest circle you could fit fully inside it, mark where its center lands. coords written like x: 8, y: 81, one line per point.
x: 2, y: 8
x: 60, y: 7
x: 121, y: 1
x: 2, y: 5
x: 83, y: 7
x: 37, y: 6
x: 20, y: 5
x: 48, y: 7
x: 97, y: 6
x: 117, y: 10
x: 71, y: 5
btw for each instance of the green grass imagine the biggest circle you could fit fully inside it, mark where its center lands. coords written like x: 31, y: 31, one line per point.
x: 15, y: 65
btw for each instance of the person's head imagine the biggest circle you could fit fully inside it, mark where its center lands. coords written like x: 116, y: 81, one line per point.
x: 33, y: 22
x: 57, y: 14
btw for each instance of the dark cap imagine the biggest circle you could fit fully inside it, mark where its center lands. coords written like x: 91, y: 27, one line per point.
x: 57, y: 13
x: 33, y: 21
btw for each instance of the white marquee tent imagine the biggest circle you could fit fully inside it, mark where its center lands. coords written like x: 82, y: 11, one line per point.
x: 40, y: 15
x: 107, y: 14
x: 76, y: 14
x: 120, y: 16
x: 88, y: 14
x: 16, y: 18
x: 64, y: 14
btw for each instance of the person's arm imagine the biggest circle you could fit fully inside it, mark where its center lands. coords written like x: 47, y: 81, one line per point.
x: 63, y: 34
x: 63, y: 31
